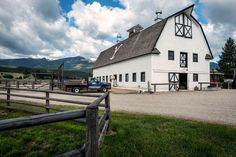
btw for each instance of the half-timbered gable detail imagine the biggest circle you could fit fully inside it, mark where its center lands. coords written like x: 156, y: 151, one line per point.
x: 183, y: 26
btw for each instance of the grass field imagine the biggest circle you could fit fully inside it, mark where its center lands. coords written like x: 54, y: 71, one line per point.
x: 135, y: 136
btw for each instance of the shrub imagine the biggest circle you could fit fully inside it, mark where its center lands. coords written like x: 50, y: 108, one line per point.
x: 196, y: 88
x: 8, y: 76
x: 20, y: 77
x: 26, y: 76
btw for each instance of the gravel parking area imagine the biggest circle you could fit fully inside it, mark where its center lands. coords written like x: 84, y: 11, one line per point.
x: 211, y: 106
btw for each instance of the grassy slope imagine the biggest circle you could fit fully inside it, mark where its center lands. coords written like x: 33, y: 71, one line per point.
x: 136, y: 135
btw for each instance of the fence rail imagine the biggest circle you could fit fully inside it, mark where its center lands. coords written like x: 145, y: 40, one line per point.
x: 97, y: 126
x: 28, y: 84
x: 217, y: 84
x: 161, y: 84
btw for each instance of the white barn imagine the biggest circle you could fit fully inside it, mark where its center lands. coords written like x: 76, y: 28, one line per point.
x: 174, y: 50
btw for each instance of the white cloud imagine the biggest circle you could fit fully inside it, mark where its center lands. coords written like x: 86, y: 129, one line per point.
x: 97, y: 24
x: 221, y: 23
x: 30, y: 28
x: 35, y: 28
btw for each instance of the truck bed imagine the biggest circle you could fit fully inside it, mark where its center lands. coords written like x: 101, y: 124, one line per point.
x: 75, y: 82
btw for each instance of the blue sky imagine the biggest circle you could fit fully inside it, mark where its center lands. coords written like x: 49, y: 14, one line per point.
x: 66, y: 6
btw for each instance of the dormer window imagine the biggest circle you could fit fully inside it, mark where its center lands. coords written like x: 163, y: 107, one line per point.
x: 183, y: 26
x: 135, y: 29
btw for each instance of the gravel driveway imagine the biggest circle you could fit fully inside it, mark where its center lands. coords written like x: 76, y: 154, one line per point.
x: 212, y: 106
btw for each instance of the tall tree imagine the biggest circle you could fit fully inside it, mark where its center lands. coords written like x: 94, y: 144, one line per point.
x: 227, y: 60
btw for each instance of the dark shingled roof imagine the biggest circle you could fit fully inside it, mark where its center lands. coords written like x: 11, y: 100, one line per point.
x: 137, y: 45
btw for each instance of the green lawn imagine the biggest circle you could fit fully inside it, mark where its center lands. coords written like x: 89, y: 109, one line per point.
x: 135, y: 136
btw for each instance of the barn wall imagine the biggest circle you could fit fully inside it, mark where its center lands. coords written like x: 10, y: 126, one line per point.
x: 161, y: 66
x: 135, y: 65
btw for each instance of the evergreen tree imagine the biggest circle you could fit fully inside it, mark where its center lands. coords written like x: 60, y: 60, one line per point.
x: 227, y: 60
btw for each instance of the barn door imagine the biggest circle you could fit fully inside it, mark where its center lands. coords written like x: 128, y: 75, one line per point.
x: 173, y: 78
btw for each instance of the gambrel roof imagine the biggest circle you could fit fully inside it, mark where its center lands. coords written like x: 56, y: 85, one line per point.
x: 140, y: 44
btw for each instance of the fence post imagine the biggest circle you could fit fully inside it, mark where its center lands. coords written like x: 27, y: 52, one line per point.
x: 91, y: 149
x: 32, y: 84
x: 8, y: 96
x: 155, y: 88
x: 148, y: 83
x: 107, y: 102
x: 47, y: 102
x: 6, y: 83
x: 17, y: 84
x: 50, y: 85
x: 200, y: 86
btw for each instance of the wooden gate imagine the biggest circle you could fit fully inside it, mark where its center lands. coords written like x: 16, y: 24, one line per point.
x: 173, y: 81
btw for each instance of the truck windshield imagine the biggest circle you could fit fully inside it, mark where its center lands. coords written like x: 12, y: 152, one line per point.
x: 93, y: 79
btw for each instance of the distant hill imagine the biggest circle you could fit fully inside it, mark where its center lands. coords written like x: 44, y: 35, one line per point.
x: 214, y: 66
x: 71, y: 63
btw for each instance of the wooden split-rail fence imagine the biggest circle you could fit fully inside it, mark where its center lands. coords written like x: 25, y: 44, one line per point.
x: 97, y: 126
x: 175, y: 85
x: 26, y: 84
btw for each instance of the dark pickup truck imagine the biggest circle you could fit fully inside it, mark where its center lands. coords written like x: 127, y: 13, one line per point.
x: 78, y: 86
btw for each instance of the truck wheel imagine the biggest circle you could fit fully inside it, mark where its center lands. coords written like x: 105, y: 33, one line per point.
x: 76, y: 90
x: 104, y: 89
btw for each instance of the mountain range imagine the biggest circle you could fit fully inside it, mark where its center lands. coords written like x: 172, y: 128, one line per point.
x: 71, y: 63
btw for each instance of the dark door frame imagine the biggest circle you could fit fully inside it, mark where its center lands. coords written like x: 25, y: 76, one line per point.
x: 180, y: 82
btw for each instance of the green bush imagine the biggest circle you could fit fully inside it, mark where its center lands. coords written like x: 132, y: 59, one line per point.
x: 8, y: 76
x: 20, y: 77
x: 26, y: 76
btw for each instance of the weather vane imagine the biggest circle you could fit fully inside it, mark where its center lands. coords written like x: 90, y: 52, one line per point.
x: 118, y: 37
x: 158, y: 13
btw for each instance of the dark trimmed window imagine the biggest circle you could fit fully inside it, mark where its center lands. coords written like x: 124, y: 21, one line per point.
x: 195, y: 57
x: 183, y: 60
x: 183, y: 26
x: 127, y: 77
x: 110, y: 78
x: 103, y: 78
x: 115, y: 77
x: 120, y: 78
x: 134, y: 77
x: 195, y: 77
x: 171, y: 55
x: 106, y: 78
x: 100, y: 78
x: 142, y: 76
